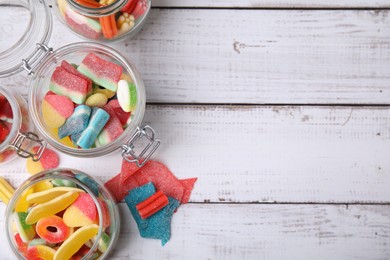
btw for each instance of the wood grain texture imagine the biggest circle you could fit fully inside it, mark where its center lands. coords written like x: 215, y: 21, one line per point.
x: 273, y: 4
x: 257, y: 56
x: 265, y: 154
x: 258, y: 232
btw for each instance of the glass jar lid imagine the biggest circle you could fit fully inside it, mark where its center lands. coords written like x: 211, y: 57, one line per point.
x: 24, y: 24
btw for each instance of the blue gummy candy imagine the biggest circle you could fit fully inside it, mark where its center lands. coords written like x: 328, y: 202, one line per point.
x: 76, y: 123
x: 157, y: 226
x: 98, y: 119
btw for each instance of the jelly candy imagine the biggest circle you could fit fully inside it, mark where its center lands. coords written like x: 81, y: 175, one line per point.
x: 6, y: 190
x: 98, y: 119
x: 124, y: 117
x: 152, y: 204
x: 52, y: 229
x: 76, y: 123
x: 103, y: 243
x: 96, y: 100
x: 127, y: 95
x: 67, y: 84
x: 40, y: 252
x: 56, y: 109
x: 112, y: 129
x: 157, y: 226
x: 82, y: 212
x: 51, y: 207
x: 76, y: 241
x: 102, y: 72
x: 25, y: 230
x: 49, y: 160
x: 45, y: 196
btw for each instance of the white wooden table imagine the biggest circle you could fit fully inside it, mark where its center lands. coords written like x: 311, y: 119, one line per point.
x: 281, y: 108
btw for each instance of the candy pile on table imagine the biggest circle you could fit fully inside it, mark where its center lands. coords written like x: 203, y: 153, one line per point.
x: 6, y: 120
x: 89, y: 105
x: 107, y: 27
x: 56, y: 219
x: 152, y: 194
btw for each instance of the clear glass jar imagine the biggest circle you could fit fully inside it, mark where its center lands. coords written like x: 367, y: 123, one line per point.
x: 20, y: 138
x: 104, y: 20
x: 108, y: 216
x: 74, y: 53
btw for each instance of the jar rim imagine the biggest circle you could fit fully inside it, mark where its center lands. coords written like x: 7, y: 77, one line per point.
x: 97, y: 12
x: 58, y: 55
x: 38, y: 31
x: 17, y: 119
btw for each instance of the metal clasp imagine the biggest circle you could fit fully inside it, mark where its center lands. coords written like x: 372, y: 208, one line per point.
x: 22, y: 151
x: 41, y: 52
x: 130, y: 155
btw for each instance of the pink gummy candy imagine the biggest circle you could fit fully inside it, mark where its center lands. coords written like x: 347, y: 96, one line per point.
x: 120, y: 113
x: 69, y: 68
x: 113, y: 128
x: 85, y: 204
x: 63, y: 105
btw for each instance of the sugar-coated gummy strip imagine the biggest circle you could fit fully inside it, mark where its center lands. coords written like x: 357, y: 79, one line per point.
x: 6, y: 190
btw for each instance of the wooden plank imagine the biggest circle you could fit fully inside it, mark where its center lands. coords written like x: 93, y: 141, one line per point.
x: 257, y: 56
x: 265, y: 154
x: 218, y: 231
x: 272, y: 4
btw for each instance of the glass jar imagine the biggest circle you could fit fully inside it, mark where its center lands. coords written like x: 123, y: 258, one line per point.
x: 19, y: 139
x: 107, y: 220
x: 39, y: 61
x: 74, y: 53
x: 104, y: 20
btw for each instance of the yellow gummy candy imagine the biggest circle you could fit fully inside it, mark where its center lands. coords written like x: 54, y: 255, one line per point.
x: 45, y: 252
x: 76, y: 241
x: 22, y: 204
x: 51, y: 116
x: 108, y: 93
x: 42, y: 185
x: 51, y: 207
x: 33, y: 167
x: 96, y: 100
x: 6, y: 190
x: 45, y: 196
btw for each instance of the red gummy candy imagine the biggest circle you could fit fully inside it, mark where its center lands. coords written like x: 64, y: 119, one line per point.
x: 152, y: 204
x: 4, y: 131
x: 22, y: 247
x: 129, y: 6
x: 5, y: 109
x: 140, y: 8
x: 120, y: 113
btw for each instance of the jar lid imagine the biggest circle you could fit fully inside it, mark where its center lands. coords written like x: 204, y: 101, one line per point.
x: 24, y: 24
